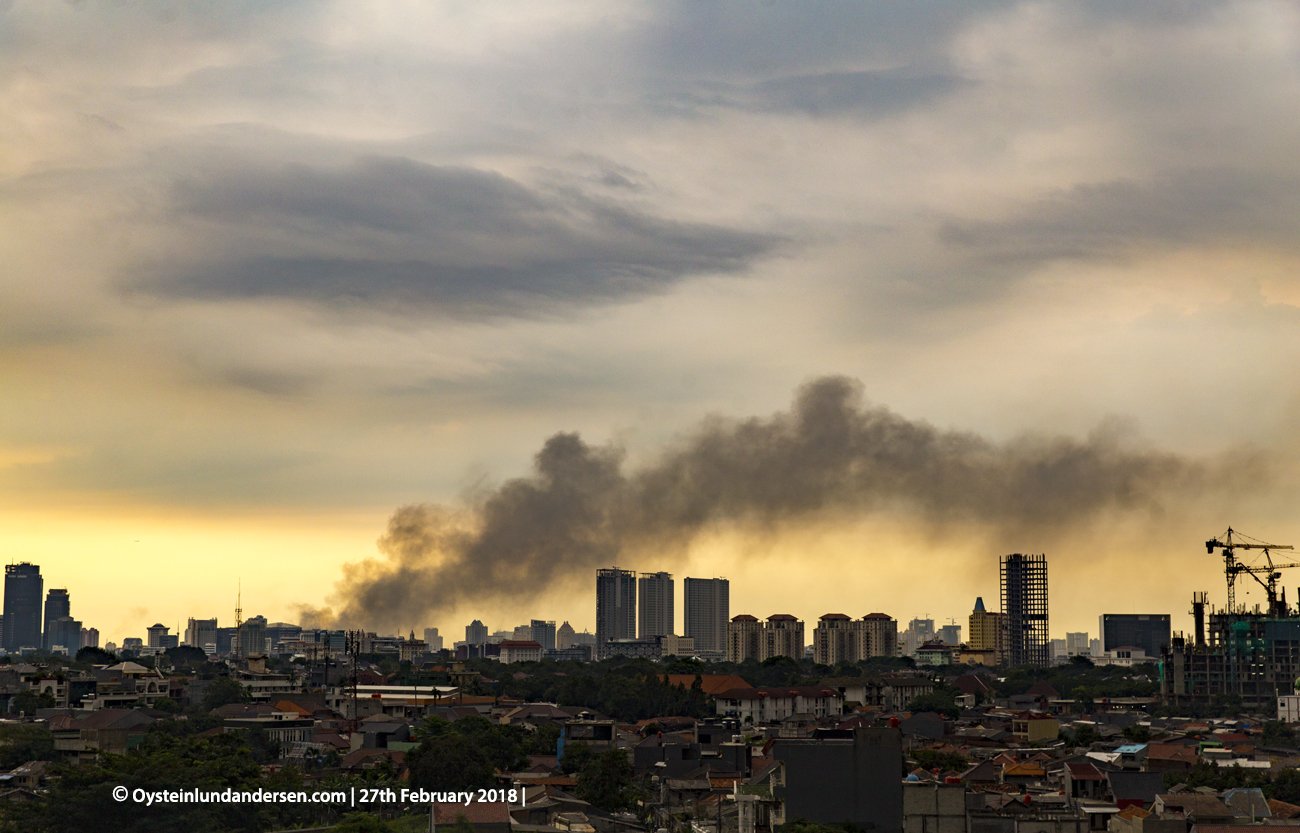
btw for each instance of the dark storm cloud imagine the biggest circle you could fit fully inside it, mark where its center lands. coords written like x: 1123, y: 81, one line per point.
x: 1178, y: 208
x: 395, y: 233
x: 829, y: 455
x: 862, y: 93
x: 741, y: 41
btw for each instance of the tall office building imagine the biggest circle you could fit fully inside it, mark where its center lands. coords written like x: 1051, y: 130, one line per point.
x: 1024, y: 601
x: 707, y: 609
x: 251, y: 638
x: 1148, y: 631
x: 655, y: 603
x: 22, y: 613
x: 157, y: 635
x: 433, y: 639
x: 542, y: 632
x: 918, y: 633
x: 564, y: 636
x: 200, y: 633
x: 476, y: 633
x: 63, y: 635
x: 58, y: 605
x: 615, y: 605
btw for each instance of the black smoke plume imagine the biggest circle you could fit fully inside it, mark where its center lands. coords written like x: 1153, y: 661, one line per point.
x: 830, y: 455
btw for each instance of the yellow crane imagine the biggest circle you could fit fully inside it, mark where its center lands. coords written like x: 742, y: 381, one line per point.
x: 1229, y: 542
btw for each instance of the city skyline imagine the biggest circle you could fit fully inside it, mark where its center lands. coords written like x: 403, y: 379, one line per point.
x: 631, y: 578
x: 409, y: 314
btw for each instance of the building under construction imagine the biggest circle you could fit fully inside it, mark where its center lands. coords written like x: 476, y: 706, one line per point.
x: 1024, y: 604
x: 1235, y: 654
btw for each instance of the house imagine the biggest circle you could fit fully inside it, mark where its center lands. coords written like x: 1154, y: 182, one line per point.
x: 481, y: 816
x: 1035, y: 727
x: 1082, y: 779
x: 84, y: 735
x: 520, y: 650
x: 774, y: 704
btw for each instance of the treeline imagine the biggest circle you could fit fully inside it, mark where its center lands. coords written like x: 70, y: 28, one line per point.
x: 627, y: 690
x: 80, y: 796
x: 1084, y: 682
x: 634, y: 689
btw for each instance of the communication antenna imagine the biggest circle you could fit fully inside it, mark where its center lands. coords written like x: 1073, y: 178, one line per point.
x: 239, y: 614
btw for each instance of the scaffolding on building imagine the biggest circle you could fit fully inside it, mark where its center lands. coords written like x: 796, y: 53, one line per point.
x: 1024, y: 602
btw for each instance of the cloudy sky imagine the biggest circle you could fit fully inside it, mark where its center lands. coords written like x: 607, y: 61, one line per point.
x: 273, y: 271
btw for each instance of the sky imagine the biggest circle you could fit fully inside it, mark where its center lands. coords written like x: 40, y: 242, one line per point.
x: 404, y: 313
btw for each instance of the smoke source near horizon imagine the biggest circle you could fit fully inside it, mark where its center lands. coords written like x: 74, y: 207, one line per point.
x: 830, y: 455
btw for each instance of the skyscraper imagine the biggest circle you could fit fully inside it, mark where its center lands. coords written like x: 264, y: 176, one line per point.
x: 655, y: 602
x: 615, y: 605
x: 707, y: 610
x: 564, y: 636
x: 157, y: 635
x: 1024, y: 601
x: 22, y: 613
x: 476, y: 633
x: 1148, y: 631
x: 58, y: 605
x: 200, y: 633
x: 542, y: 631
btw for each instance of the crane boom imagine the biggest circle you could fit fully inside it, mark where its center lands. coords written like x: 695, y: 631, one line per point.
x: 1232, y: 567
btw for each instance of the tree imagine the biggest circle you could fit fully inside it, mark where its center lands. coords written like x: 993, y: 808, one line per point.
x: 941, y: 700
x: 934, y: 759
x: 94, y: 656
x: 1277, y: 733
x: 28, y: 701
x: 606, y: 781
x: 80, y: 798
x: 450, y: 761
x: 23, y: 742
x: 222, y: 692
x: 186, y: 656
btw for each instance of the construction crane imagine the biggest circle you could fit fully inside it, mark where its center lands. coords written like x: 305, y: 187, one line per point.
x: 1229, y: 543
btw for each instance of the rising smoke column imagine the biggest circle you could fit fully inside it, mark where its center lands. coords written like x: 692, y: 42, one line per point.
x: 830, y: 453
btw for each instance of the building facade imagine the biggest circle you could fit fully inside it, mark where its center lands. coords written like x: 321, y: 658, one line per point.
x: 200, y: 633
x: 58, y: 605
x: 782, y: 637
x: 1148, y: 631
x: 615, y: 605
x: 988, y: 633
x: 476, y: 633
x: 707, y: 610
x: 542, y: 631
x: 1024, y: 601
x: 655, y: 605
x: 24, y: 587
x: 744, y: 638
